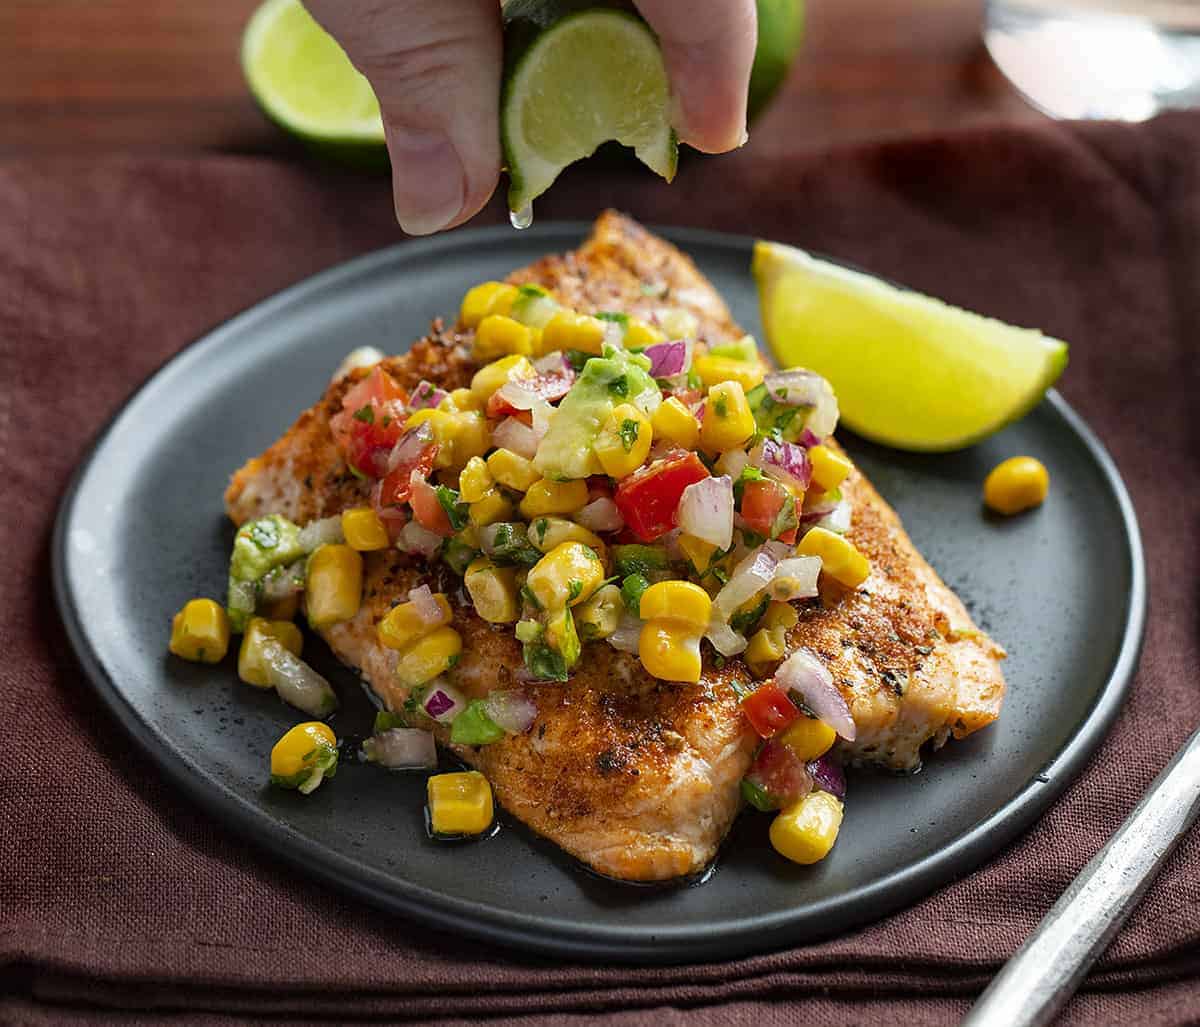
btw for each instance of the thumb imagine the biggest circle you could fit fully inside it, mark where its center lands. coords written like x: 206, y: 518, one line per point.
x: 708, y: 46
x: 436, y: 70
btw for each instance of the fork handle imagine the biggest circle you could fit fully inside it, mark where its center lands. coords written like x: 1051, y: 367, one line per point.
x: 1044, y: 973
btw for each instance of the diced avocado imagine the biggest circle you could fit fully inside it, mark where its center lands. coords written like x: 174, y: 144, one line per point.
x: 385, y: 720
x: 474, y: 727
x: 617, y: 377
x: 458, y: 554
x: 744, y: 349
x: 259, y: 547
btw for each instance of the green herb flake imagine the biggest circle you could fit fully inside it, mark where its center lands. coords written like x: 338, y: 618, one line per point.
x: 721, y: 407
x: 455, y: 510
x: 366, y: 414
x: 629, y: 432
x: 265, y: 534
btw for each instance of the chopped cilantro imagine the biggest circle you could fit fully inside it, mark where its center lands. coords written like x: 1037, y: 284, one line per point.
x: 530, y: 598
x: 629, y: 433
x: 366, y: 414
x: 614, y: 316
x: 544, y: 663
x: 455, y: 510
x: 721, y: 407
x: 574, y: 589
x: 632, y: 589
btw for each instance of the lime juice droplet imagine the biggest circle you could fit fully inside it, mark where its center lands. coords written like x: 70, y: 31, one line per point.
x: 522, y: 218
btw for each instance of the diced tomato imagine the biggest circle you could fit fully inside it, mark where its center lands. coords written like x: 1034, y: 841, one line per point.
x: 648, y: 498
x: 769, y: 510
x: 396, y: 485
x: 769, y: 709
x: 427, y: 510
x: 779, y: 775
x: 551, y: 387
x: 370, y: 421
x: 789, y: 536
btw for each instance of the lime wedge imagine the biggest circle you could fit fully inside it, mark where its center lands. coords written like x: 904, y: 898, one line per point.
x: 305, y: 82
x: 574, y: 79
x: 909, y: 371
x: 780, y: 29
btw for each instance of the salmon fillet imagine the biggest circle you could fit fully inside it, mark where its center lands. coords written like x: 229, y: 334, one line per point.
x: 637, y: 777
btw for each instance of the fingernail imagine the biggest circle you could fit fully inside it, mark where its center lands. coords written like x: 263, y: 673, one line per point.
x: 745, y: 137
x: 428, y: 181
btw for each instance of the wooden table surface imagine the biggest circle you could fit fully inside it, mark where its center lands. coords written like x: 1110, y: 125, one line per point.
x: 136, y: 75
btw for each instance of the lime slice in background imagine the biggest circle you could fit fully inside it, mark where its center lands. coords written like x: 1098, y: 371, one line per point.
x: 573, y: 79
x: 780, y: 29
x: 909, y: 371
x: 305, y: 82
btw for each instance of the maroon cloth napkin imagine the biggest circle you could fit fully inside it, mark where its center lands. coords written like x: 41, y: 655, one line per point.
x: 116, y: 894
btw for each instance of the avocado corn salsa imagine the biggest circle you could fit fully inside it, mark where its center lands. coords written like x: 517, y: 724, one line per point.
x: 603, y: 480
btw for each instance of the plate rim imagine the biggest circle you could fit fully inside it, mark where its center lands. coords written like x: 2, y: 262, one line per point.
x: 541, y: 933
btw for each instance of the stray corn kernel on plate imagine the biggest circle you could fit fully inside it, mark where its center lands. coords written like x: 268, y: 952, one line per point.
x: 620, y: 600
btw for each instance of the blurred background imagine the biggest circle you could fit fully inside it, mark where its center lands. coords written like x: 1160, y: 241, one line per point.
x: 164, y: 75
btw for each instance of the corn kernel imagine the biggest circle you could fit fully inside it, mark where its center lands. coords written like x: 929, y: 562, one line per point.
x: 600, y: 616
x: 494, y: 506
x: 475, y: 480
x: 474, y: 438
x: 333, y: 589
x: 640, y: 334
x: 698, y: 552
x: 428, y: 657
x: 461, y: 399
x: 568, y: 330
x: 282, y: 609
x: 728, y: 420
x: 446, y: 429
x: 670, y: 651
x: 300, y: 747
x: 839, y: 559
x: 512, y: 470
x: 403, y: 625
x: 484, y: 299
x: 714, y: 370
x: 1019, y: 483
x: 565, y: 576
x: 459, y: 803
x: 364, y: 530
x: 829, y: 468
x: 679, y: 601
x: 200, y: 632
x: 676, y: 423
x: 553, y: 497
x: 252, y: 668
x: 624, y: 441
x: 806, y: 830
x: 491, y: 376
x: 809, y: 738
x: 493, y: 590
x: 546, y: 533
x: 780, y: 617
x: 498, y: 335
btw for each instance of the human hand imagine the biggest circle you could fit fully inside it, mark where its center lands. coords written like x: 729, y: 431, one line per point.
x: 435, y: 67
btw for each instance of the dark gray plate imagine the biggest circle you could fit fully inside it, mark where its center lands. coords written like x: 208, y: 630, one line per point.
x: 142, y: 530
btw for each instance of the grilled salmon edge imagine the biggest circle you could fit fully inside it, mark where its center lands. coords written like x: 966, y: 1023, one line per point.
x: 635, y: 777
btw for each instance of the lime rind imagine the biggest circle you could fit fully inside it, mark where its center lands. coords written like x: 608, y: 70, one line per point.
x: 910, y: 371
x: 591, y: 77
x: 305, y: 82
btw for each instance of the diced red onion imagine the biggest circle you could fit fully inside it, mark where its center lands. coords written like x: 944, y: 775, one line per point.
x: 732, y: 462
x: 783, y: 461
x: 296, y: 682
x: 426, y: 395
x: 555, y: 363
x: 283, y: 582
x: 628, y: 635
x: 706, y: 511
x: 750, y: 577
x: 796, y: 578
x: 517, y: 396
x: 668, y: 359
x: 601, y: 514
x: 363, y: 356
x: 804, y: 673
x: 801, y: 388
x: 516, y: 436
x: 818, y: 510
x: 512, y: 710
x: 808, y: 439
x: 838, y: 519
x: 410, y: 446
x: 443, y: 702
x: 425, y: 605
x: 402, y: 748
x: 414, y: 538
x: 828, y: 776
x: 725, y: 640
x: 327, y: 531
